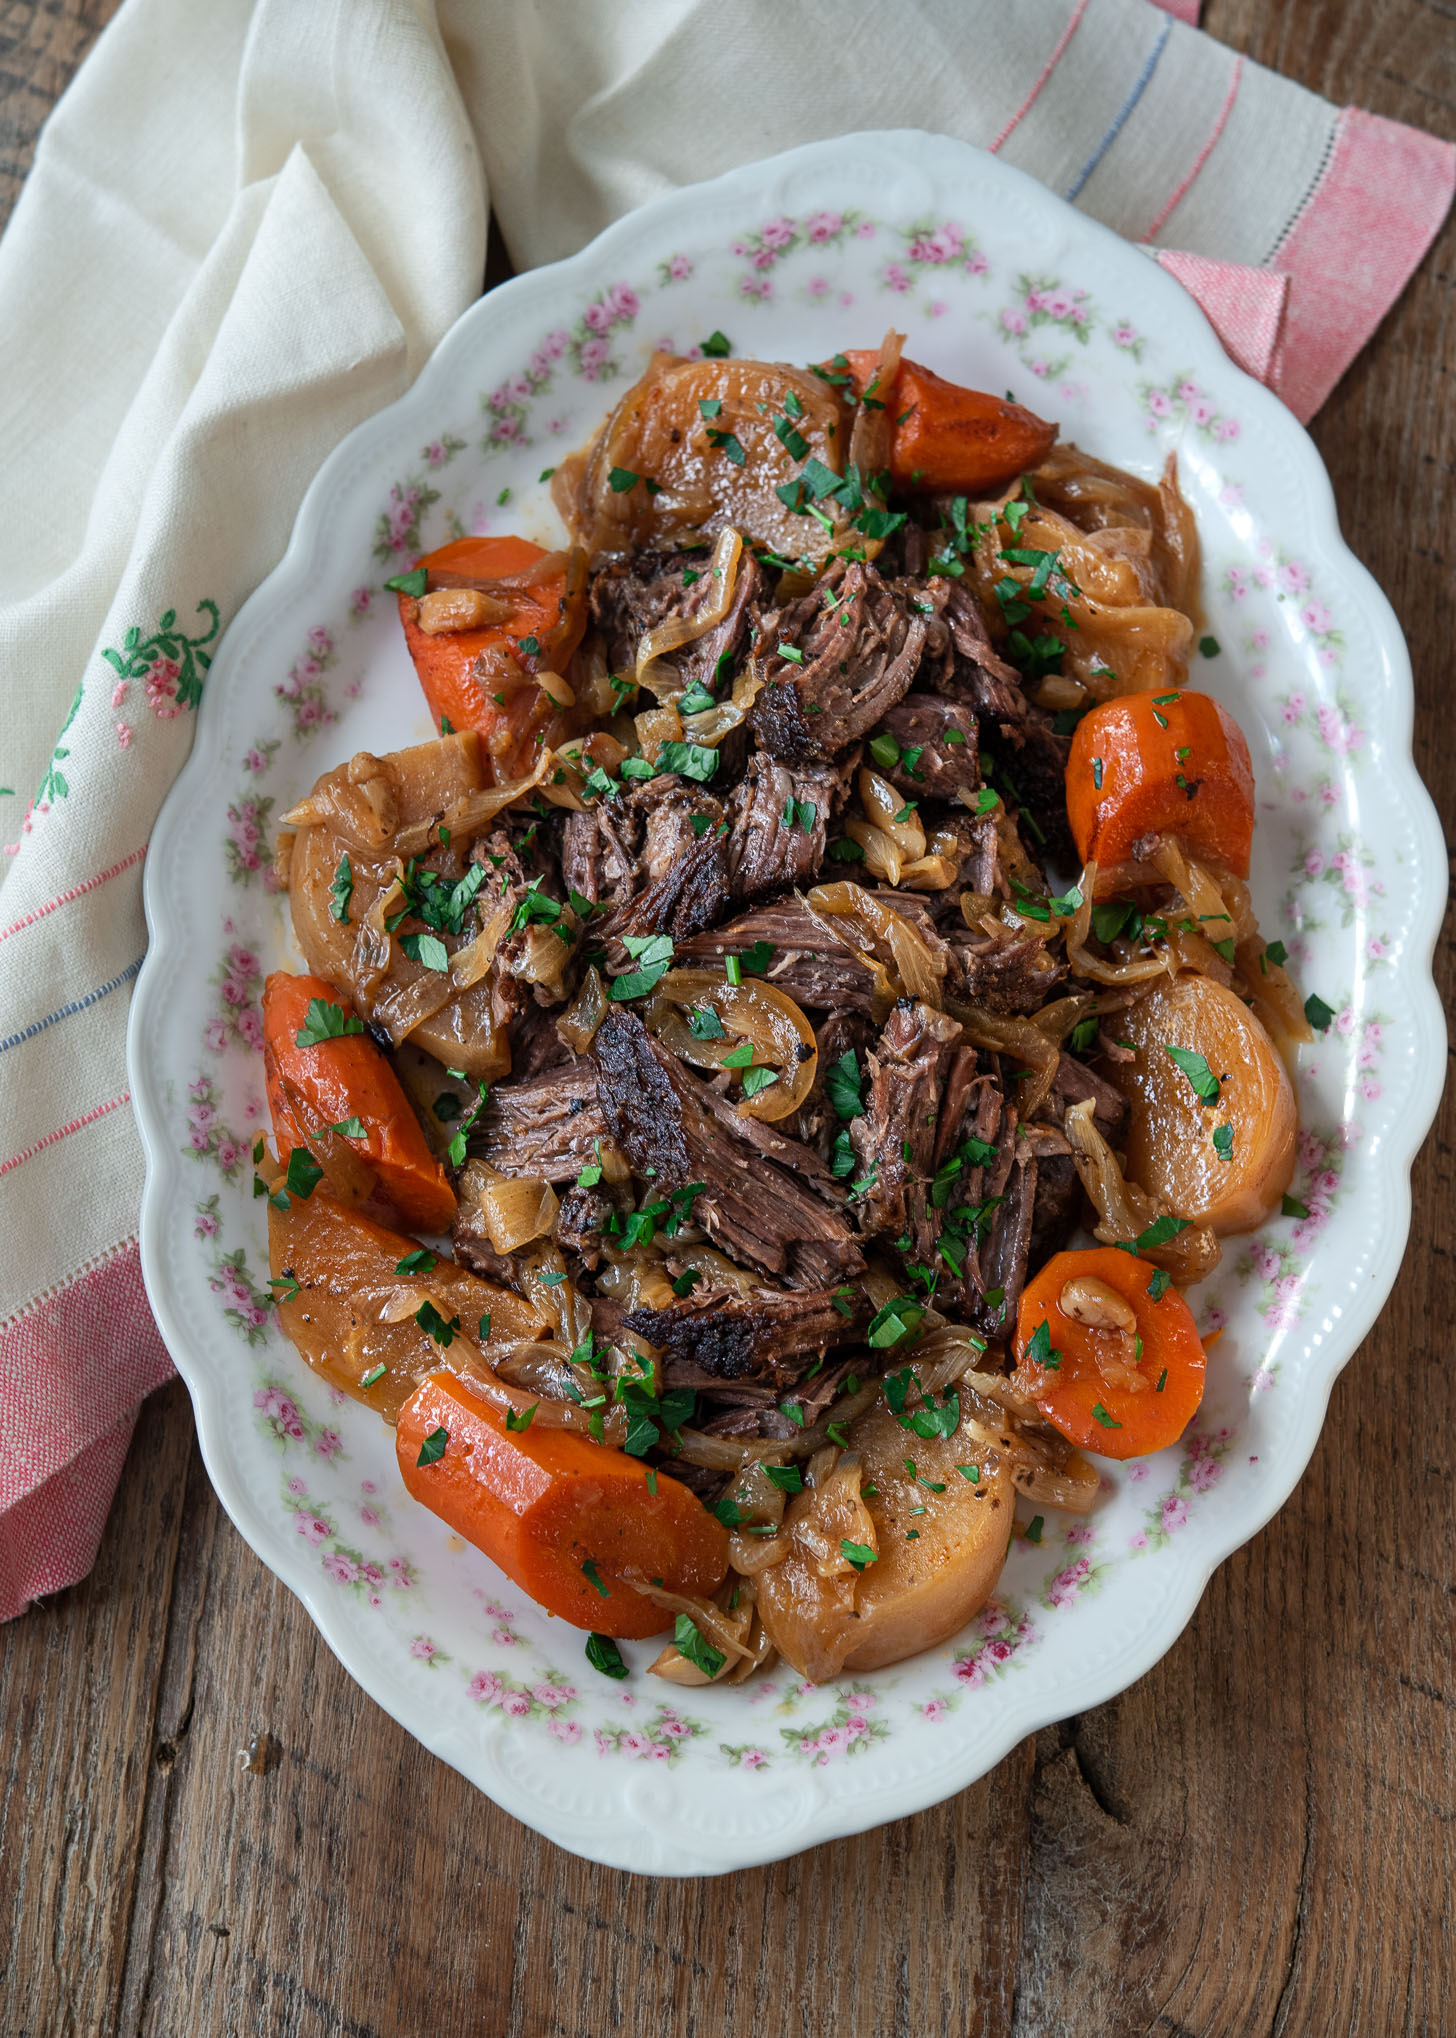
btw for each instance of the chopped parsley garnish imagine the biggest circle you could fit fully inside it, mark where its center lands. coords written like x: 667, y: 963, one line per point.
x: 604, y: 1655
x: 593, y: 1578
x: 350, y: 1128
x: 413, y: 583
x: 286, y: 1284
x: 1099, y: 1414
x: 704, y: 1023
x: 717, y: 345
x: 1276, y: 952
x: 653, y: 956
x: 1040, y: 1349
x: 1195, y: 1066
x: 686, y: 1281
x: 1318, y: 1013
x: 970, y: 1472
x: 728, y: 444
x: 1160, y: 1283
x: 1290, y: 1206
x: 428, y: 950
x: 1209, y: 646
x: 927, y: 1420
x: 621, y: 479
x: 697, y: 701
x: 694, y: 1645
x: 843, y: 1085
x: 375, y: 1373
x: 692, y: 760
x: 858, y: 1554
x: 429, y: 1319
x: 304, y: 1174
x: 898, y: 1319
x: 791, y: 652
x: 1159, y: 1232
x: 757, y: 958
x: 433, y: 1447
x: 800, y: 814
x: 846, y: 851
x: 757, y: 1079
x: 1223, y: 1142
x: 788, y: 1478
x: 519, y: 1420
x: 420, y: 1261
x: 326, y: 1021
x: 341, y: 890
x: 709, y: 406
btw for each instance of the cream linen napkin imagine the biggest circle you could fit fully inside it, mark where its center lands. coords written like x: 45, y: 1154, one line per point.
x: 248, y: 224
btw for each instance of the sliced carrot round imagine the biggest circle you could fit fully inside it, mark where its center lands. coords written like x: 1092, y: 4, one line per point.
x: 1125, y: 1383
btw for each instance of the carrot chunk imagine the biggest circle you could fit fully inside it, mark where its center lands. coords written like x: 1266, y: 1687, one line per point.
x: 567, y: 1519
x: 1161, y: 764
x: 1108, y: 1351
x: 483, y: 678
x: 339, y: 1097
x: 951, y: 439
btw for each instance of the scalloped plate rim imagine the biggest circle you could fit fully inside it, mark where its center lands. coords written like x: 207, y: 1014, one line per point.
x: 845, y: 1813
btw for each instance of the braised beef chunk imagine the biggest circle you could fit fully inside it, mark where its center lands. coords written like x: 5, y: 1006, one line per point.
x: 940, y: 752
x: 1003, y: 1258
x: 804, y: 961
x: 546, y: 1126
x: 777, y: 819
x: 676, y: 1132
x: 734, y: 1337
x: 856, y: 647
x: 895, y: 1139
x: 975, y: 673
x: 1002, y: 971
x: 1073, y: 1083
x: 818, y: 1121
x: 1031, y: 764
x: 631, y: 596
x: 535, y: 1043
x: 517, y: 874
x: 1058, y: 1202
x: 654, y: 857
x: 580, y: 1219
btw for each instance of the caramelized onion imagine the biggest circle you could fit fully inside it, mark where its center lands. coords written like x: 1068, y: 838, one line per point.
x: 1022, y: 1039
x: 679, y: 630
x: 578, y: 1026
x: 1125, y: 1212
x: 878, y: 931
x: 511, y: 1210
x: 754, y: 1011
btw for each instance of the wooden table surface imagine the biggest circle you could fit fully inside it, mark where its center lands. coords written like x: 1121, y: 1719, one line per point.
x: 1260, y: 1837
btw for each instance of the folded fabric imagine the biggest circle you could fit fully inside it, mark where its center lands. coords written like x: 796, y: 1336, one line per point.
x: 222, y: 263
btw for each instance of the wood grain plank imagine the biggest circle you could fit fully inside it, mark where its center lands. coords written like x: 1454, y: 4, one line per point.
x: 1260, y: 1837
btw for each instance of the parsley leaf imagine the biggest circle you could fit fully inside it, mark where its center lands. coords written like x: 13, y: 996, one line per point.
x: 429, y: 1319
x: 858, y: 1554
x: 1195, y: 1066
x: 622, y: 479
x: 433, y: 1447
x: 413, y: 583
x: 843, y: 1086
x: 693, y: 1644
x: 341, y: 890
x: 604, y: 1655
x: 326, y: 1021
x: 428, y: 950
x: 653, y: 955
x: 304, y: 1174
x: 691, y: 760
x: 1318, y: 1013
x: 420, y: 1261
x: 728, y: 445
x: 1040, y: 1349
x: 717, y: 345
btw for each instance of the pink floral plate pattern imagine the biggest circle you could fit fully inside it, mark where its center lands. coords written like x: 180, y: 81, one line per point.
x: 997, y: 284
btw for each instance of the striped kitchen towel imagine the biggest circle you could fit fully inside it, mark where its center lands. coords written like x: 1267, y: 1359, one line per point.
x: 226, y: 256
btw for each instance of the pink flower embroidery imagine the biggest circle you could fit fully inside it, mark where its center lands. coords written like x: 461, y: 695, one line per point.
x: 823, y: 226
x: 1175, y: 1512
x: 933, y: 1710
x: 313, y: 1528
x: 567, y: 1731
x: 343, y: 1570
x: 679, y: 268
x: 423, y: 1649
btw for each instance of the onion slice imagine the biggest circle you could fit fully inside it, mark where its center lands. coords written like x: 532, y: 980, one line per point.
x: 679, y: 630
